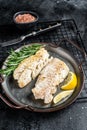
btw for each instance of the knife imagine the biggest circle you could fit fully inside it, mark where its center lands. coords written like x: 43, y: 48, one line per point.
x: 34, y: 33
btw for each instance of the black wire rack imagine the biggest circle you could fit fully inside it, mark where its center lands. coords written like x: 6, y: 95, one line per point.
x: 68, y: 29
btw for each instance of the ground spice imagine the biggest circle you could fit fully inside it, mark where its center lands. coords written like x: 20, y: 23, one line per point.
x: 25, y: 18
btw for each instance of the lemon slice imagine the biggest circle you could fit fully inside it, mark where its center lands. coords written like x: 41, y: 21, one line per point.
x: 70, y: 82
x: 61, y: 96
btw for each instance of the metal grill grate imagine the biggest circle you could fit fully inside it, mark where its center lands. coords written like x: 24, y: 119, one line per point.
x: 67, y: 30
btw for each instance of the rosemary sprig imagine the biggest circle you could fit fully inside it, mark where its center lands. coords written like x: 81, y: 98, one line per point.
x: 16, y: 57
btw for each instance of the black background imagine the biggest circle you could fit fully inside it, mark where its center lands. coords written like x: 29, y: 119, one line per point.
x: 47, y: 10
x: 75, y: 116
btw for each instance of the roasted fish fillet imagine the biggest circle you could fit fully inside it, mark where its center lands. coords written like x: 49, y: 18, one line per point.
x: 50, y: 77
x: 30, y: 67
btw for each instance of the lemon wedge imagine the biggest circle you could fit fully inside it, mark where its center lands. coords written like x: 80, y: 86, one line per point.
x: 70, y: 82
x: 61, y: 96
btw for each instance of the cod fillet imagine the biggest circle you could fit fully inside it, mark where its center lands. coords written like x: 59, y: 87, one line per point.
x: 50, y: 77
x: 30, y: 67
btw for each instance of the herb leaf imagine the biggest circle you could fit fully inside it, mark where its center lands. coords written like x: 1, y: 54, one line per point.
x: 16, y: 57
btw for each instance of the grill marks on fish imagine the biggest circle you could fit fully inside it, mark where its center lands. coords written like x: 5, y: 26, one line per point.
x: 30, y: 67
x: 50, y: 77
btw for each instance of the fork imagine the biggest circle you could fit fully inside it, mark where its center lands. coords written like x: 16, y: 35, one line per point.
x: 34, y: 33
